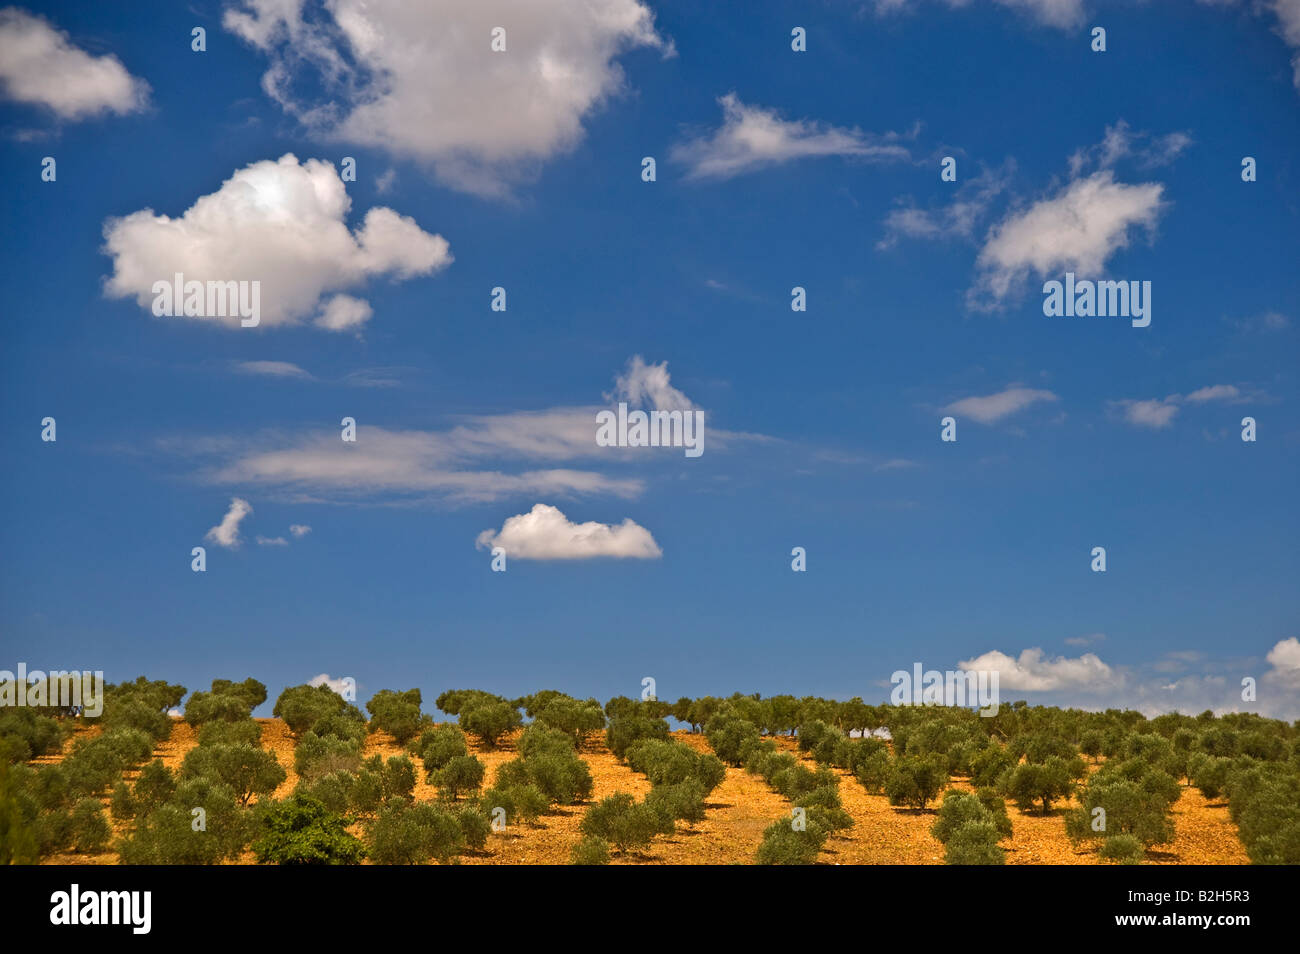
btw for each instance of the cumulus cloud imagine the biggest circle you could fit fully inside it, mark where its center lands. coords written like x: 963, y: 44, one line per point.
x: 1033, y: 671
x: 281, y: 223
x: 1122, y: 142
x: 226, y: 533
x: 40, y: 65
x: 1078, y: 229
x: 272, y: 369
x: 418, y: 78
x: 544, y: 533
x: 993, y: 407
x: 342, y: 685
x: 299, y: 529
x: 1284, y: 660
x: 751, y: 137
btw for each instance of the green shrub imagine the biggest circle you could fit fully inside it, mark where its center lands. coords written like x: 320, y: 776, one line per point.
x: 958, y: 809
x: 378, y: 782
x: 522, y: 802
x: 576, y: 718
x: 242, y: 732
x: 318, y: 755
x: 300, y: 831
x: 462, y: 775
x: 624, y: 823
x: 475, y: 826
x: 246, y: 769
x: 679, y: 801
x: 397, y: 713
x: 624, y: 731
x: 153, y: 786
x: 18, y: 843
x: 1043, y: 783
x: 122, y: 804
x: 439, y: 745
x: 489, y: 721
x: 27, y: 734
x: 915, y: 781
x: 90, y: 829
x: 731, y: 737
x: 1124, y: 849
x: 784, y: 845
x: 590, y: 851
x: 412, y: 834
x: 975, y: 843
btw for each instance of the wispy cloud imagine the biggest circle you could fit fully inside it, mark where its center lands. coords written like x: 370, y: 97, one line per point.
x: 752, y: 137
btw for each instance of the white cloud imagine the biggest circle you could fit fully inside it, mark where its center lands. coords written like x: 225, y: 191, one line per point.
x: 650, y: 385
x: 226, y: 533
x: 278, y: 222
x: 397, y: 463
x: 1086, y: 640
x: 751, y: 137
x: 994, y: 407
x: 343, y: 312
x: 1215, y: 392
x: 1121, y: 142
x: 340, y: 685
x: 299, y: 529
x: 958, y: 219
x: 273, y: 369
x: 418, y: 77
x: 39, y: 65
x: 544, y: 533
x: 1159, y: 413
x: 271, y: 541
x: 1156, y: 413
x: 1284, y: 658
x: 1063, y: 14
x: 1034, y: 672
x: 1076, y: 230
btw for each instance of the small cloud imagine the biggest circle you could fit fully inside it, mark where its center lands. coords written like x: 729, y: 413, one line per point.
x: 340, y: 685
x: 272, y: 369
x: 226, y: 533
x: 1088, y: 640
x: 544, y: 533
x: 897, y: 463
x: 299, y: 529
x: 994, y: 407
x: 1216, y: 392
x: 1155, y: 413
x: 751, y: 137
x: 650, y: 385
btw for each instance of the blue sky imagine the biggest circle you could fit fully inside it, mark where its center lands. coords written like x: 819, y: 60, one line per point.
x: 774, y: 169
